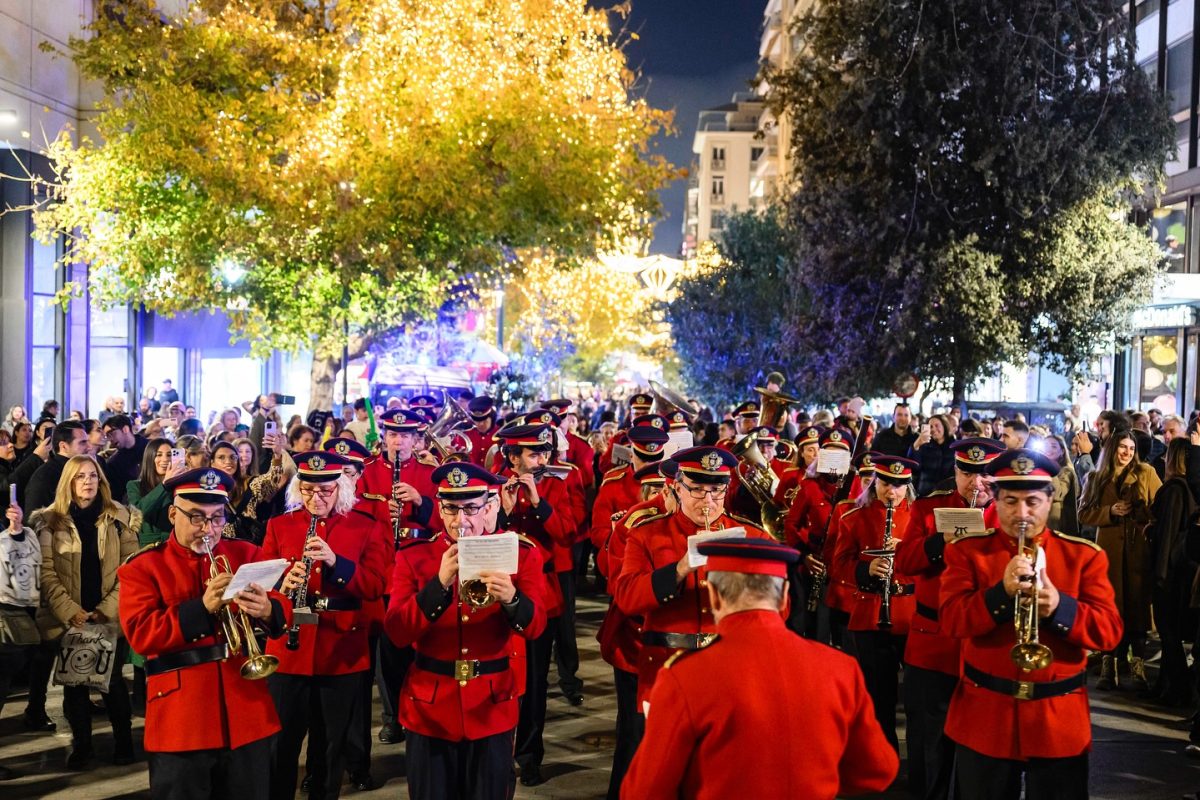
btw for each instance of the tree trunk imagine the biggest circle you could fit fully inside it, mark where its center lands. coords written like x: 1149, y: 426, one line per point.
x: 959, y: 395
x: 327, y: 360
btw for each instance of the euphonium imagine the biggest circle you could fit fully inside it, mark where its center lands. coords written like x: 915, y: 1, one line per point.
x: 238, y: 629
x: 1028, y: 653
x: 759, y: 480
x: 473, y: 592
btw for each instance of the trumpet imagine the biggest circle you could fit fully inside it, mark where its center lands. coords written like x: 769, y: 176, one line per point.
x: 1028, y: 653
x: 974, y: 497
x: 239, y: 630
x: 474, y: 591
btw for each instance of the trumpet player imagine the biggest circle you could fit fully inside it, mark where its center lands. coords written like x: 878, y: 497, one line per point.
x: 1009, y: 722
x: 930, y: 656
x: 339, y: 561
x: 883, y: 605
x: 459, y: 702
x: 208, y: 729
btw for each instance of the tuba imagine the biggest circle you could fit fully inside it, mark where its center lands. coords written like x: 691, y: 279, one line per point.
x: 237, y: 628
x: 1028, y: 653
x: 449, y: 444
x: 759, y: 480
x: 667, y: 400
x: 774, y: 407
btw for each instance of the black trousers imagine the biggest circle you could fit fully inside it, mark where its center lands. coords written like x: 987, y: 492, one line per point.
x: 239, y: 774
x: 476, y: 769
x: 337, y: 695
x: 839, y: 636
x: 41, y: 666
x: 1171, y: 611
x: 531, y: 724
x: 77, y: 707
x: 631, y: 726
x: 566, y: 651
x: 879, y: 655
x: 12, y: 660
x: 930, y: 753
x: 982, y: 777
x: 391, y: 665
x: 358, y: 739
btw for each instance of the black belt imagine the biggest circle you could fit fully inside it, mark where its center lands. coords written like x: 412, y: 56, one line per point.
x: 186, y: 658
x: 336, y: 604
x: 929, y: 612
x: 461, y: 671
x: 1025, y: 690
x: 678, y: 641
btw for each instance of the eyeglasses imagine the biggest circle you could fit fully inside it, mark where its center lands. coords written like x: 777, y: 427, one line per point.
x: 87, y: 477
x: 466, y: 511
x: 309, y: 491
x: 699, y: 493
x: 198, y: 520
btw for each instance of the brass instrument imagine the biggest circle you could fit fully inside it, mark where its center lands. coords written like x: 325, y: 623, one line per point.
x: 786, y: 450
x: 774, y: 407
x: 667, y: 401
x: 301, y: 614
x: 238, y: 631
x: 474, y: 591
x: 759, y: 480
x: 974, y: 497
x: 887, y: 552
x: 448, y: 443
x: 1028, y: 653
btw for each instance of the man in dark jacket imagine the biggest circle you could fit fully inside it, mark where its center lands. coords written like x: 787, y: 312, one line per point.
x: 125, y: 463
x: 70, y: 439
x: 896, y: 440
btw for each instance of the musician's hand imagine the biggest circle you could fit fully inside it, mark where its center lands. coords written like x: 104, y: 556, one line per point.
x: 254, y: 601
x: 295, y: 577
x: 1019, y: 567
x: 427, y: 458
x: 508, y: 495
x: 530, y: 483
x: 448, y: 571
x: 499, y: 585
x: 683, y: 568
x: 1047, y: 597
x: 879, y: 567
x: 214, y: 590
x: 814, y: 564
x: 318, y: 549
x: 1121, y: 509
x: 406, y: 493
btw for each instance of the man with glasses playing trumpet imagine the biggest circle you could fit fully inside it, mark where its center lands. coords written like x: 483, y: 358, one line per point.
x: 209, y: 722
x: 459, y: 702
x: 658, y: 579
x: 339, y: 563
x: 1028, y: 603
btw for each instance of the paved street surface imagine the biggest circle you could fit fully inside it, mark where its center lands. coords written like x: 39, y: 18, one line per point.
x: 1137, y: 754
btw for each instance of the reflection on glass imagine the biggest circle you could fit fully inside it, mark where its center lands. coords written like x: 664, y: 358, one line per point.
x: 41, y: 375
x: 1168, y: 229
x: 1160, y: 374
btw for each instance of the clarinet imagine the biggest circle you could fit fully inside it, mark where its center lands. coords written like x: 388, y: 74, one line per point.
x: 299, y: 596
x: 885, y: 602
x: 397, y: 530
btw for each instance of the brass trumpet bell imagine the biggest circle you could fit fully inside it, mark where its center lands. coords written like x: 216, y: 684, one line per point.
x: 1031, y: 655
x: 259, y: 666
x: 475, y: 594
x: 774, y: 406
x: 667, y: 400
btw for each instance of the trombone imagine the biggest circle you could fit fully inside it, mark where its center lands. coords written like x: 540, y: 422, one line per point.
x: 238, y: 630
x: 1028, y: 653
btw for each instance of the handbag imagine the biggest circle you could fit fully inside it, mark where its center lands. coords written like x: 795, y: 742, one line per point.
x: 18, y: 628
x: 87, y: 656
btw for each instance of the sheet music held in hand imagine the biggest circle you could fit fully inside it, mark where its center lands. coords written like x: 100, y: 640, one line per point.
x: 676, y: 441
x: 833, y: 462
x: 497, y: 552
x: 959, y: 521
x: 265, y: 573
x: 694, y: 557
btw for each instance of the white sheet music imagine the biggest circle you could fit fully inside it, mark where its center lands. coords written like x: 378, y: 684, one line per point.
x: 694, y: 557
x: 498, y: 552
x: 959, y: 521
x: 833, y: 462
x: 264, y: 573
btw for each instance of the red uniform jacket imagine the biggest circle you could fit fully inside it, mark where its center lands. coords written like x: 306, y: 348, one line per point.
x: 975, y: 608
x: 789, y: 479
x: 862, y: 529
x: 647, y: 585
x: 619, y: 491
x: 439, y: 625
x: 842, y: 586
x: 207, y: 706
x: 553, y: 522
x: 808, y: 514
x: 723, y: 725
x: 920, y: 555
x: 376, y: 484
x: 581, y: 454
x: 480, y: 443
x: 620, y: 635
x: 338, y: 643
x: 564, y: 558
x: 606, y: 458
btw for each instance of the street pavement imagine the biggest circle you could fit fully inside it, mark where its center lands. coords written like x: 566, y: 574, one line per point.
x: 1138, y: 751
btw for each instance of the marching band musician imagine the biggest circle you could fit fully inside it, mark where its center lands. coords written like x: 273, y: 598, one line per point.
x: 620, y: 490
x: 808, y: 442
x: 722, y: 724
x: 538, y: 504
x: 408, y: 499
x: 1009, y: 723
x: 208, y: 730
x: 657, y: 580
x: 620, y: 635
x: 639, y: 406
x: 579, y: 452
x: 339, y: 562
x: 931, y: 658
x: 482, y: 411
x: 459, y: 701
x: 745, y: 419
x: 741, y: 502
x: 884, y: 603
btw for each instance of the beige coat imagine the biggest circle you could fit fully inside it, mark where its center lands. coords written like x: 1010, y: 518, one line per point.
x: 61, y: 553
x: 1124, y: 542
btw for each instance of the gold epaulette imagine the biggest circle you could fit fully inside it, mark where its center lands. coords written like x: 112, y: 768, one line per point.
x: 940, y: 493
x: 646, y: 520
x: 844, y: 502
x: 369, y: 496
x: 791, y: 469
x: 146, y: 549
x: 966, y: 536
x: 852, y: 511
x: 612, y: 475
x: 1078, y: 540
x: 678, y: 654
x: 640, y: 514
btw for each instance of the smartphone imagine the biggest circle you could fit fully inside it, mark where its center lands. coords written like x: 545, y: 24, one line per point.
x: 284, y: 399
x: 178, y: 454
x: 12, y: 494
x: 924, y: 428
x: 271, y: 428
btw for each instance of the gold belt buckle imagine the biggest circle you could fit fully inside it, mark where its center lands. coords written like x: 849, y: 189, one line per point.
x: 705, y: 639
x: 1024, y: 690
x: 465, y: 671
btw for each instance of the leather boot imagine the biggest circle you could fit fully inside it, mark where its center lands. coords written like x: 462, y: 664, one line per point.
x: 1137, y: 671
x: 1108, y: 674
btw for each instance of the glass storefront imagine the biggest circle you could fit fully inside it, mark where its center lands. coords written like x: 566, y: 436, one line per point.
x: 1160, y: 374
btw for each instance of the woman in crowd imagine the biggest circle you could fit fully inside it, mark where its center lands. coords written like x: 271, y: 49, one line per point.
x: 932, y: 451
x: 8, y: 461
x: 16, y: 415
x: 22, y: 439
x: 1064, y: 516
x: 1117, y: 499
x: 147, y: 494
x: 43, y: 430
x: 301, y: 438
x: 250, y: 501
x: 85, y: 536
x: 247, y: 455
x: 196, y: 453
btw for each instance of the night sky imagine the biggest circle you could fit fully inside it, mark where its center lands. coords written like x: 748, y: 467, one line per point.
x: 691, y: 54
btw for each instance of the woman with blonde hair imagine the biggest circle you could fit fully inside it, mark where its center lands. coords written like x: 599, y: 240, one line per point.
x: 84, y: 537
x: 1117, y: 499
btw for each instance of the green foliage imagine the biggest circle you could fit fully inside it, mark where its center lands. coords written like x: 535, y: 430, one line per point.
x: 957, y: 172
